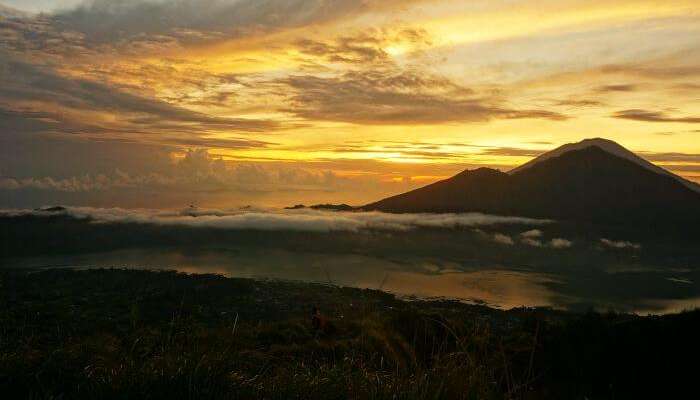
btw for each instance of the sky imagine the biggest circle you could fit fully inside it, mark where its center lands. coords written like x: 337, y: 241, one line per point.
x: 165, y: 103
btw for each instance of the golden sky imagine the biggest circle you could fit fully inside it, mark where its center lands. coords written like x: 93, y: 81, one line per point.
x: 234, y: 101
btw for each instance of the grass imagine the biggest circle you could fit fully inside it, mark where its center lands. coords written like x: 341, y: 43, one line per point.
x: 126, y: 334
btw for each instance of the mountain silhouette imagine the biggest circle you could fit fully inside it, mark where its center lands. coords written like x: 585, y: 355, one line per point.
x: 595, y: 180
x: 612, y: 148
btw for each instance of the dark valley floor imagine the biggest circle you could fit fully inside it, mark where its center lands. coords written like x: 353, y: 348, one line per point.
x: 127, y: 334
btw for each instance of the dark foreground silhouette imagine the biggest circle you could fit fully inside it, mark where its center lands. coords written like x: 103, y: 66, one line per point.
x: 589, y: 185
x: 120, y: 334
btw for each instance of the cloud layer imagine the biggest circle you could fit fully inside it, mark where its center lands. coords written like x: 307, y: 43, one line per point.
x: 312, y: 84
x: 196, y: 20
x: 378, y: 97
x: 653, y: 116
x: 279, y: 220
x: 22, y: 83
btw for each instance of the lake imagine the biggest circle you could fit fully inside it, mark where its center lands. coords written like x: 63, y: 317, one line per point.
x: 640, y: 290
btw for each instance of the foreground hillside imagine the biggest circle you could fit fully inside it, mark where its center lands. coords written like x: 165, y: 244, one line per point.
x: 137, y: 334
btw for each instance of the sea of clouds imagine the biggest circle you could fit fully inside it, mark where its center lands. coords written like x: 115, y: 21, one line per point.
x: 305, y: 220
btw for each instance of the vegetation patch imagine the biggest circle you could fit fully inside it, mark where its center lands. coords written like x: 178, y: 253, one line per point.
x: 132, y: 334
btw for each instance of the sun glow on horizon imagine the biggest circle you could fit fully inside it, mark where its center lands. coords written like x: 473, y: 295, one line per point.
x: 390, y: 91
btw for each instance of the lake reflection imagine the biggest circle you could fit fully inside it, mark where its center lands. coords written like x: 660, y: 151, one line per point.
x: 497, y: 286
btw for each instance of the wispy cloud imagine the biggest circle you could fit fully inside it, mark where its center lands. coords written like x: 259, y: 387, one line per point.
x: 24, y: 83
x: 652, y: 116
x: 579, y: 103
x: 659, y: 72
x: 293, y: 220
x: 368, y: 47
x: 560, y: 243
x: 503, y: 239
x: 531, y: 242
x: 533, y: 238
x: 396, y: 97
x: 512, y: 151
x: 620, y: 244
x: 624, y: 87
x: 533, y: 233
x: 670, y: 157
x: 108, y: 21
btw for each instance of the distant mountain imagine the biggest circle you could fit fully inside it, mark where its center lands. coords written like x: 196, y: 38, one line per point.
x: 328, y: 207
x: 595, y: 180
x: 612, y: 148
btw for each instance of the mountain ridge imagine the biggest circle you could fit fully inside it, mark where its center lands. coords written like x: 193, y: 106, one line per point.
x: 586, y: 184
x: 612, y: 148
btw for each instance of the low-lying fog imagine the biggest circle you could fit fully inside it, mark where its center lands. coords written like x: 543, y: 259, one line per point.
x: 501, y: 261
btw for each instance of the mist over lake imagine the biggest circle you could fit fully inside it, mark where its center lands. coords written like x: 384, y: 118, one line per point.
x: 504, y: 262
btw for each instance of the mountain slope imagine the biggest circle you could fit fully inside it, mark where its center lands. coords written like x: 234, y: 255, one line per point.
x: 612, y: 148
x: 586, y: 184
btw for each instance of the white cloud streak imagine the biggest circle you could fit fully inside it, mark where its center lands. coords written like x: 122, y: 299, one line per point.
x: 503, y: 239
x: 620, y: 244
x: 196, y: 20
x: 534, y: 238
x: 279, y: 220
x: 560, y: 243
x: 531, y: 242
x: 533, y: 233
